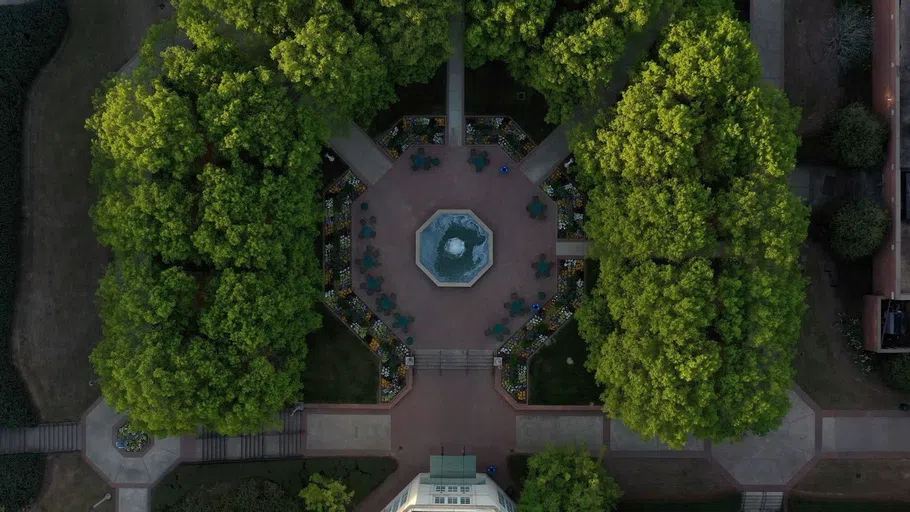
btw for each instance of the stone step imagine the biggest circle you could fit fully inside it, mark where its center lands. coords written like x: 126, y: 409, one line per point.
x: 47, y: 438
x: 449, y: 359
x: 762, y: 502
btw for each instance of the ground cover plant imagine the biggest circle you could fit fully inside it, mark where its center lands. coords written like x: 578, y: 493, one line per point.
x: 195, y: 482
x: 897, y: 372
x: 698, y: 236
x: 29, y: 35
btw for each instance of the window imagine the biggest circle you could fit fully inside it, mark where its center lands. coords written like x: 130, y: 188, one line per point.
x: 465, y: 500
x: 439, y: 500
x: 453, y: 500
x: 502, y: 500
x: 465, y: 489
x: 440, y: 488
x: 453, y: 488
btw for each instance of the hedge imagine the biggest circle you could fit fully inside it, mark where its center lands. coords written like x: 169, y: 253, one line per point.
x: 29, y: 35
x: 21, y: 477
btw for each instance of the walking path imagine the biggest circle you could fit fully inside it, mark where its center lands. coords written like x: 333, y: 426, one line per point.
x: 48, y: 438
x: 767, y: 22
x: 356, y: 148
x: 455, y: 84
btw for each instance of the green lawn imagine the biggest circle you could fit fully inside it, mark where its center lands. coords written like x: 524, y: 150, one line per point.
x: 491, y: 90
x: 413, y: 99
x: 361, y: 475
x: 556, y: 382
x: 339, y: 367
x: 797, y: 504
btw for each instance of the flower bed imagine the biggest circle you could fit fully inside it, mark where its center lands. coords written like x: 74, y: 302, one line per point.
x: 412, y: 130
x: 339, y: 293
x: 537, y: 332
x: 130, y: 440
x: 570, y: 201
x: 502, y: 131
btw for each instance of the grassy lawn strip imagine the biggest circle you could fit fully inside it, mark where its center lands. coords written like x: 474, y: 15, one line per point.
x: 726, y: 504
x: 798, y: 504
x: 413, y: 100
x: 360, y: 475
x: 556, y: 382
x: 490, y: 90
x: 29, y: 35
x: 339, y: 367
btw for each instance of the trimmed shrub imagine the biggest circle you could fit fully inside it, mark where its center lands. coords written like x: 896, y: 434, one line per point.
x: 860, y: 137
x: 29, y: 35
x: 897, y: 372
x: 21, y: 477
x: 858, y: 229
x: 852, y: 39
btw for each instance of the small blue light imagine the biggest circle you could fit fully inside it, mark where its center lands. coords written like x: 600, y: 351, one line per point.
x: 504, y: 169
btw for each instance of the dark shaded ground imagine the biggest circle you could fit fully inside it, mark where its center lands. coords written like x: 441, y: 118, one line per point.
x: 491, y: 90
x: 799, y: 504
x: 413, y: 99
x: 670, y: 479
x: 361, y: 475
x: 554, y: 381
x: 72, y: 485
x: 869, y: 479
x: 340, y: 368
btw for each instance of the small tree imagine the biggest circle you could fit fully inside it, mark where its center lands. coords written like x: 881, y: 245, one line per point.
x: 897, y: 373
x: 567, y: 478
x: 325, y: 495
x: 852, y: 39
x: 859, y: 137
x: 858, y: 229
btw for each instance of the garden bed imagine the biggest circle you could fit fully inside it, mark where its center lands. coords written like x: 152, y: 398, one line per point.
x: 339, y: 294
x: 570, y: 201
x: 499, y: 131
x: 411, y: 130
x: 540, y: 329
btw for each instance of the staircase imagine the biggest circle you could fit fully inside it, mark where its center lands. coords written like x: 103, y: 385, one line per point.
x: 289, y: 441
x: 467, y: 360
x: 762, y: 502
x: 48, y: 438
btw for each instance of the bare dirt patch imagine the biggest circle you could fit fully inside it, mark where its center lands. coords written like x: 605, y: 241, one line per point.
x: 676, y: 479
x: 56, y: 324
x: 879, y: 479
x: 811, y: 71
x: 824, y: 363
x: 71, y: 484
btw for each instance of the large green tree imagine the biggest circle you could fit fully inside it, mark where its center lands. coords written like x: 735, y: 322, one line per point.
x: 505, y: 30
x: 698, y: 236
x: 567, y: 479
x: 412, y: 35
x: 208, y: 200
x: 326, y: 495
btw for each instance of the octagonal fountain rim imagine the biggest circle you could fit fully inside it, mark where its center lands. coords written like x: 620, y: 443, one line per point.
x: 429, y: 273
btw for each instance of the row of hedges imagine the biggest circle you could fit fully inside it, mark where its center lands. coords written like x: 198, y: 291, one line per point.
x: 29, y: 35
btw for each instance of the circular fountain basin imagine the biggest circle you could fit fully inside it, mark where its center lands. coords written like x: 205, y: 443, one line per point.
x: 454, y: 248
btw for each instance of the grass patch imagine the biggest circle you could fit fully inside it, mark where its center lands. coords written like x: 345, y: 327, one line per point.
x: 491, y: 90
x: 798, y: 504
x: 21, y: 478
x: 29, y: 35
x: 360, y: 475
x: 340, y: 369
x: 556, y: 382
x: 730, y: 503
x: 413, y: 99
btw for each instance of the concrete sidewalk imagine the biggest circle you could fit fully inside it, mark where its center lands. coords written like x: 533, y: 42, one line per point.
x: 359, y: 151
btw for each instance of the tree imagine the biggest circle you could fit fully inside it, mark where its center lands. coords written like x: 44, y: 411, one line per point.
x: 860, y: 137
x: 698, y: 237
x: 341, y: 70
x: 413, y: 36
x: 325, y: 495
x: 858, y: 229
x: 505, y: 30
x: 567, y: 478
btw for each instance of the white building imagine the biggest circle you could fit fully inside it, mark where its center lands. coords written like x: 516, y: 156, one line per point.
x: 452, y: 485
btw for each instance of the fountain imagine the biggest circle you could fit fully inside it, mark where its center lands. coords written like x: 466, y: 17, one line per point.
x: 454, y: 248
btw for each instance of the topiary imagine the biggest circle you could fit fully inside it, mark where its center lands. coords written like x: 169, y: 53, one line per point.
x: 897, y: 372
x: 858, y: 229
x: 859, y: 137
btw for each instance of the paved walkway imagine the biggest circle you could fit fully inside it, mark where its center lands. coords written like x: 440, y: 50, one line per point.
x: 767, y: 22
x: 455, y: 84
x: 356, y: 148
x: 572, y: 248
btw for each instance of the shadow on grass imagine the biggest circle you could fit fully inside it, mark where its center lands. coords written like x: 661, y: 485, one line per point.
x: 359, y: 474
x: 339, y: 367
x: 556, y: 382
x: 413, y: 99
x: 799, y: 504
x: 491, y: 90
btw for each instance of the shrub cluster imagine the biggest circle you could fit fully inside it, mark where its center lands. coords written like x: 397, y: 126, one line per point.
x: 858, y: 229
x: 21, y: 478
x: 897, y: 372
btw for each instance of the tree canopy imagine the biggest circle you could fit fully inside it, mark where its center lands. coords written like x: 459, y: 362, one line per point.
x: 504, y: 29
x: 208, y: 200
x: 858, y: 229
x: 325, y: 495
x: 567, y: 478
x: 699, y: 301
x: 860, y: 137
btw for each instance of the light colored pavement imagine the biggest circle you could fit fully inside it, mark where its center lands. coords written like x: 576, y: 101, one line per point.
x: 547, y: 155
x: 331, y: 431
x: 455, y: 84
x: 534, y: 433
x: 776, y: 458
x: 356, y: 148
x: 133, y: 499
x: 875, y: 434
x: 572, y: 248
x: 623, y: 439
x: 767, y: 22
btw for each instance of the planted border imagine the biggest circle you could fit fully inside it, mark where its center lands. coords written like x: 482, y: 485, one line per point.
x: 411, y: 130
x: 338, y: 290
x: 570, y: 201
x: 501, y: 131
x: 540, y: 329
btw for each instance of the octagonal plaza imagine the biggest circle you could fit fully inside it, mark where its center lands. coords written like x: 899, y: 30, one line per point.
x: 403, y: 199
